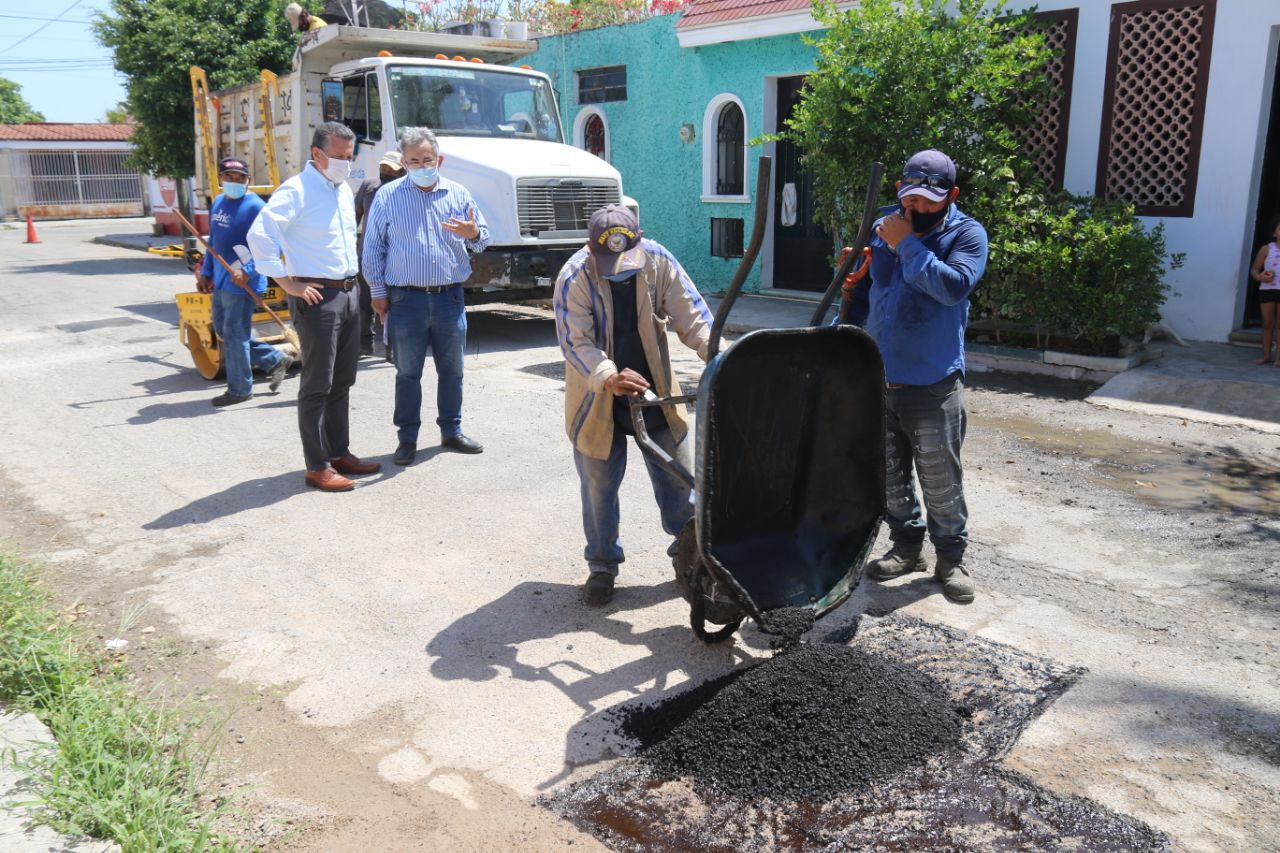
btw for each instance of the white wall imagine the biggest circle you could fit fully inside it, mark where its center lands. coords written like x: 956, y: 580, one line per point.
x: 1208, y: 302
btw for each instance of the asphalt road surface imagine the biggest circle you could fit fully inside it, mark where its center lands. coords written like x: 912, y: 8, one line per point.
x: 410, y: 664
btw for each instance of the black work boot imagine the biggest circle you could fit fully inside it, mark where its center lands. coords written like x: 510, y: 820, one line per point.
x: 901, y: 560
x: 598, y: 590
x: 952, y: 573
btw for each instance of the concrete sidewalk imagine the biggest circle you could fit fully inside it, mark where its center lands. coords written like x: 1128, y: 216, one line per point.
x: 21, y: 735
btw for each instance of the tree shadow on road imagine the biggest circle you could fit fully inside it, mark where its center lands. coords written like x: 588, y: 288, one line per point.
x: 486, y: 644
x: 1029, y: 385
x: 119, y: 267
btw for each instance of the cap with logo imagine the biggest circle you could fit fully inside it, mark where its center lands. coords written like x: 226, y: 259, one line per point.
x: 613, y: 236
x: 928, y: 173
x: 392, y: 159
x: 234, y: 165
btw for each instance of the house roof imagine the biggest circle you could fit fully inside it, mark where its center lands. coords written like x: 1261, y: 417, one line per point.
x: 49, y: 131
x: 700, y: 13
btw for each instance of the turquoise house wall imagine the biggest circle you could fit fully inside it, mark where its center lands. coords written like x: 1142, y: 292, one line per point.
x: 669, y: 86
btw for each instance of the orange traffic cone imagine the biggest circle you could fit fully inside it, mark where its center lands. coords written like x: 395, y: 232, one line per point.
x: 31, y: 231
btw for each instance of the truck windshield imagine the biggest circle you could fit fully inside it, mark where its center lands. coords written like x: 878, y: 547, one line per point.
x: 473, y: 102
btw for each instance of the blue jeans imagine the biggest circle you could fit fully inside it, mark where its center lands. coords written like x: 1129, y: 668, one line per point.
x: 926, y: 427
x: 419, y: 322
x: 601, y: 479
x: 232, y: 320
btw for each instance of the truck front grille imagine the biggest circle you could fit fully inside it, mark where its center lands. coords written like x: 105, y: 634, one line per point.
x: 561, y: 207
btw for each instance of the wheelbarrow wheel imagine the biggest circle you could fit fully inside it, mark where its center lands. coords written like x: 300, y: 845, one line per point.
x: 699, y: 589
x: 698, y: 620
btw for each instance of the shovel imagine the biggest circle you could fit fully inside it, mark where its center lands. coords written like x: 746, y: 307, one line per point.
x: 289, y: 334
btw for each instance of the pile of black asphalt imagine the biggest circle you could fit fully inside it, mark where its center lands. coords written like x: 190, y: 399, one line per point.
x: 810, y: 723
x: 890, y: 741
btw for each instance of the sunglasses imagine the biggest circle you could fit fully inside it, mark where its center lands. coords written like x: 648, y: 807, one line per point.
x: 917, y: 179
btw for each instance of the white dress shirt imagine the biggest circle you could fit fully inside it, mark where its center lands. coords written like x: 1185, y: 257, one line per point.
x: 307, y: 229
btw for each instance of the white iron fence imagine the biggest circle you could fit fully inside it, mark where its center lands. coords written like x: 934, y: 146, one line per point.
x: 78, y: 178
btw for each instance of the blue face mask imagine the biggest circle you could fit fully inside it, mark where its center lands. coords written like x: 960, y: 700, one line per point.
x: 425, y: 177
x: 622, y: 276
x: 233, y: 190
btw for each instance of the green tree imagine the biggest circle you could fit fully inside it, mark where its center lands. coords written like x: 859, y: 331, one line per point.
x: 895, y: 77
x: 119, y: 114
x: 14, y: 108
x: 156, y: 42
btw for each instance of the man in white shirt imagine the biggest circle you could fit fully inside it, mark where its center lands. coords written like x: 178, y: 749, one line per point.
x: 305, y: 239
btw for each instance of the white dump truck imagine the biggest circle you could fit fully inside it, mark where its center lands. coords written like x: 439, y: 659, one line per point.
x: 497, y: 123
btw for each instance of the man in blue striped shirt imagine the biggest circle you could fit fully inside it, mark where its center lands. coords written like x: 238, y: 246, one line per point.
x: 416, y: 244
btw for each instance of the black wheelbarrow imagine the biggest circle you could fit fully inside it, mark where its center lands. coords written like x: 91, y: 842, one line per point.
x: 788, y: 476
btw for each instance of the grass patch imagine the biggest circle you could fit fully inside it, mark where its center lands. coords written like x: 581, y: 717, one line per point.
x: 124, y: 768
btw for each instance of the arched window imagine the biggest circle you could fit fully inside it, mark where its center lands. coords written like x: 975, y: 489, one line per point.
x: 730, y: 142
x: 591, y: 132
x: 724, y: 150
x: 593, y: 136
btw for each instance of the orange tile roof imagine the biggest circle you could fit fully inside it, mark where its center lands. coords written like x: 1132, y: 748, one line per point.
x: 49, y: 131
x: 702, y: 12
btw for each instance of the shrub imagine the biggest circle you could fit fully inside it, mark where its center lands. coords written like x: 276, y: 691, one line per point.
x: 1073, y: 266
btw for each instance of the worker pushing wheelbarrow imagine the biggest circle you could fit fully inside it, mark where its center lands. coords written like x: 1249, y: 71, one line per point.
x: 789, y: 469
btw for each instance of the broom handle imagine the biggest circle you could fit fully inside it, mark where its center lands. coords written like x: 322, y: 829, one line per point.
x: 256, y: 298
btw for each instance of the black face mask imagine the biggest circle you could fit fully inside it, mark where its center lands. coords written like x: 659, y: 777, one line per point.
x: 386, y: 179
x: 922, y: 223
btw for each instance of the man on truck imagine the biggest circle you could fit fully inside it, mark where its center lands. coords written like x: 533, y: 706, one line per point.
x: 230, y: 217
x: 305, y: 239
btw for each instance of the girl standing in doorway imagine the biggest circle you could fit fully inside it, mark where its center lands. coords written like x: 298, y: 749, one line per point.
x: 1266, y: 271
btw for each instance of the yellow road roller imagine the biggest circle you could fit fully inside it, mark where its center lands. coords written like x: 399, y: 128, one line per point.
x: 195, y: 328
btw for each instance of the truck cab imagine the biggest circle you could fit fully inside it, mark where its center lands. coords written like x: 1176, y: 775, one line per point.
x: 499, y: 133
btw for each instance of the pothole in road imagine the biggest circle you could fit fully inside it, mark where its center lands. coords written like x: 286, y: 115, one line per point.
x: 891, y: 742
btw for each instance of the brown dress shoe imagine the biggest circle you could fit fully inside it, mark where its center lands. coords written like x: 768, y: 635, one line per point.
x: 329, y: 480
x: 352, y: 465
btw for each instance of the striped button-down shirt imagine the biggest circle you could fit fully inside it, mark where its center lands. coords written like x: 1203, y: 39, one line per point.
x: 405, y: 244
x: 307, y: 229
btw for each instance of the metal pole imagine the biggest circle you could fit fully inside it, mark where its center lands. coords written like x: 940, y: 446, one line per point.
x: 75, y: 159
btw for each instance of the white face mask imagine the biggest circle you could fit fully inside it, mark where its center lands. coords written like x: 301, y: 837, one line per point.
x: 337, y: 171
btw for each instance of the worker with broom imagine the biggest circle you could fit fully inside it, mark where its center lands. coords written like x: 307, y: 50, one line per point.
x: 233, y: 212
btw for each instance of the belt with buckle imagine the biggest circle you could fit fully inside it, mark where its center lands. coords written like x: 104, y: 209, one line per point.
x: 894, y: 386
x: 338, y: 283
x: 431, y: 288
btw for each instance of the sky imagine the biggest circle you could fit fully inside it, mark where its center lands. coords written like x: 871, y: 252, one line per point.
x: 63, y: 71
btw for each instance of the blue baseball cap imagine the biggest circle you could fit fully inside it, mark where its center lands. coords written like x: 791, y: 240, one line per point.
x: 613, y: 238
x: 928, y: 173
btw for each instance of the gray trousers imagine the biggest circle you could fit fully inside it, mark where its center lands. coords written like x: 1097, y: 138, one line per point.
x: 926, y: 428
x: 330, y: 336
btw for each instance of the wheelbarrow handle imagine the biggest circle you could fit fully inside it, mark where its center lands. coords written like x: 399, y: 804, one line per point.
x: 870, y: 205
x: 748, y: 257
x: 665, y: 460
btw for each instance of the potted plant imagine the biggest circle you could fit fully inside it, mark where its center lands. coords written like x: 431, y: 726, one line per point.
x: 518, y: 19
